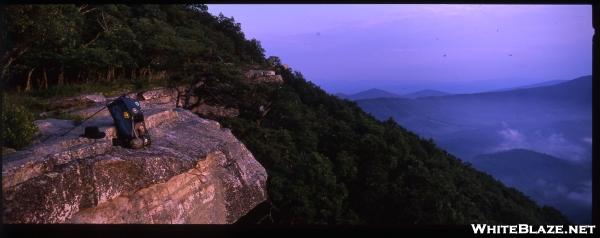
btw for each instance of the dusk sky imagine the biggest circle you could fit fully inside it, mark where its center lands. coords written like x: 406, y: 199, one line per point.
x: 405, y: 48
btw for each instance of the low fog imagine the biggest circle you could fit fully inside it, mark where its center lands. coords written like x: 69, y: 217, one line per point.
x: 552, y: 122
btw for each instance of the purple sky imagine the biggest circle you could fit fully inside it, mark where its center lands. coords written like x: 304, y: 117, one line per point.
x: 401, y: 48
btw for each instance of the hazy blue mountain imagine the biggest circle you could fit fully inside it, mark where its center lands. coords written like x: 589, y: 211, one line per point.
x: 547, y: 179
x: 555, y: 120
x: 425, y: 93
x: 471, y: 124
x: 535, y: 85
x: 369, y: 94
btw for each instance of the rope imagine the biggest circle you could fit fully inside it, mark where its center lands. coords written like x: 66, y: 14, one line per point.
x: 44, y: 140
x: 104, y: 107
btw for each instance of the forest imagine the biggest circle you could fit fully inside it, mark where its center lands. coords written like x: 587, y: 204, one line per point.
x: 54, y: 45
x: 328, y: 161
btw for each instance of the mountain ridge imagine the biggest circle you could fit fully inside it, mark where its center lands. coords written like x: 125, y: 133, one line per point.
x: 367, y: 94
x: 425, y: 93
x: 542, y: 177
x: 555, y: 120
x: 327, y: 160
x: 535, y: 85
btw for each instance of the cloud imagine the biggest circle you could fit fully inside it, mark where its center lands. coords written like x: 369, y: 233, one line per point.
x: 557, y: 145
x: 511, y: 135
x: 584, y: 196
x: 553, y: 143
x: 587, y: 140
x: 511, y: 139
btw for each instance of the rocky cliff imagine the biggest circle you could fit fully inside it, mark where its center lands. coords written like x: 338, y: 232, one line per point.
x: 263, y: 76
x: 194, y: 171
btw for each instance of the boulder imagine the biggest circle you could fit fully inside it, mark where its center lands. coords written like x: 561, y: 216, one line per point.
x: 183, y: 89
x: 198, y: 84
x: 263, y: 76
x: 258, y: 73
x: 192, y: 100
x: 162, y: 93
x: 270, y: 79
x: 218, y: 111
x: 95, y: 97
x: 195, y: 171
x: 188, y: 101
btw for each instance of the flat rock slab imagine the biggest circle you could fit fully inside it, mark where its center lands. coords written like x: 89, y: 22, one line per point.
x: 53, y: 126
x: 194, y: 172
x: 78, y: 101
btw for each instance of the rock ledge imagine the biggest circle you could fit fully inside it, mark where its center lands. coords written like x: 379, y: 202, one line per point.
x: 194, y: 172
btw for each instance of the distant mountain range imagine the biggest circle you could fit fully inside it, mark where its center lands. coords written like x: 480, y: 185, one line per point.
x: 542, y: 84
x: 368, y: 94
x: 466, y: 124
x: 553, y: 119
x: 378, y: 93
x: 425, y: 93
x: 547, y: 179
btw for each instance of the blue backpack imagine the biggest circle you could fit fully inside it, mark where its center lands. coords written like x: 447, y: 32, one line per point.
x: 129, y: 122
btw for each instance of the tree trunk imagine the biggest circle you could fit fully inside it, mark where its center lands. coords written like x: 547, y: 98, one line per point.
x: 61, y: 76
x: 111, y: 73
x: 45, y: 79
x: 38, y: 81
x: 5, y: 69
x: 28, y: 82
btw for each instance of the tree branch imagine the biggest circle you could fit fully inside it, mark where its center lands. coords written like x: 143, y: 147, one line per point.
x: 103, y: 23
x: 83, y: 11
x: 92, y: 41
x: 13, y: 54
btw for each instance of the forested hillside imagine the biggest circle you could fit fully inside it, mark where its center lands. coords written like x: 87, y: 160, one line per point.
x: 327, y: 160
x: 48, y: 45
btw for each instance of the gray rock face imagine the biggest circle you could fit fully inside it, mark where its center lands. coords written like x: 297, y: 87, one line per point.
x: 208, y: 110
x: 263, y: 76
x: 194, y: 172
x: 158, y: 93
x: 259, y: 73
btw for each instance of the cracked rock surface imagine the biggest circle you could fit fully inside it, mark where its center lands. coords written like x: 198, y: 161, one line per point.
x: 194, y: 172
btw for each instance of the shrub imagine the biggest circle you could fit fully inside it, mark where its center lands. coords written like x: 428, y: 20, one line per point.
x: 17, y: 125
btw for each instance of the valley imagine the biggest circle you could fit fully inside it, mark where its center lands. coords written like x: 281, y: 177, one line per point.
x: 553, y: 119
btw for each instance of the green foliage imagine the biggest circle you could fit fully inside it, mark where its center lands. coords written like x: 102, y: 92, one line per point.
x: 108, y: 89
x: 66, y: 44
x: 328, y: 161
x: 17, y: 125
